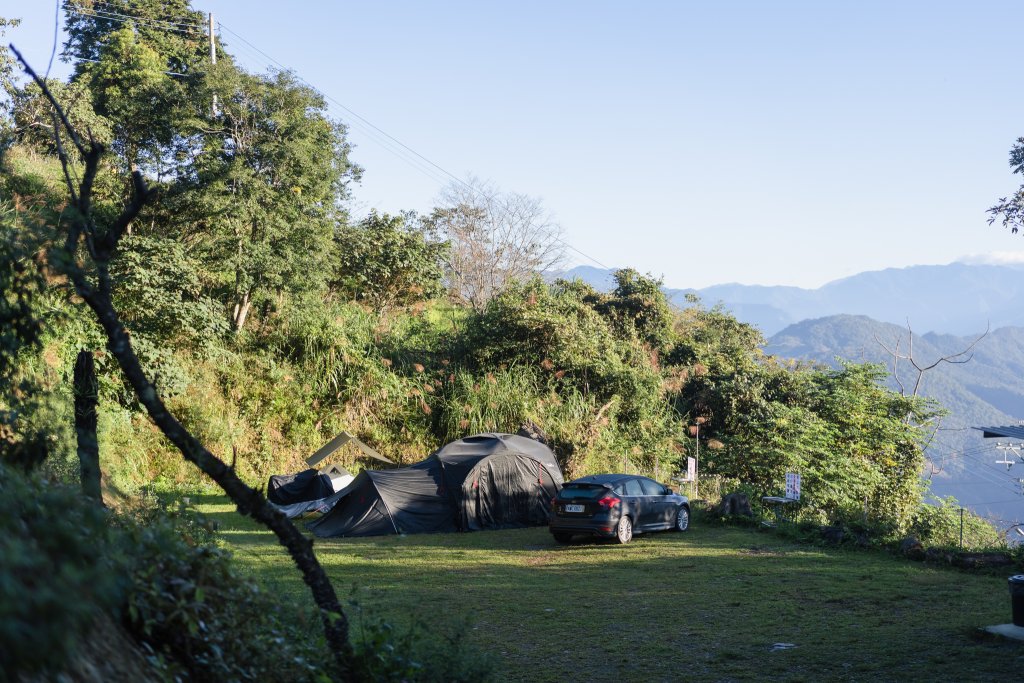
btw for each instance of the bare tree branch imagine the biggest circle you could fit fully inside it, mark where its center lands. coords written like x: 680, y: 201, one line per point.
x: 953, y: 358
x: 496, y: 238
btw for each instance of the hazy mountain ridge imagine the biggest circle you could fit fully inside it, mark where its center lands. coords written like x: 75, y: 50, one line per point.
x: 958, y: 298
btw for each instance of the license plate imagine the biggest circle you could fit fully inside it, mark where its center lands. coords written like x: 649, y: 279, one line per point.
x: 574, y: 508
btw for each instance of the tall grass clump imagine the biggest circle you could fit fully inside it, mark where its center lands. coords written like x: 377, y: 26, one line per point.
x: 499, y: 401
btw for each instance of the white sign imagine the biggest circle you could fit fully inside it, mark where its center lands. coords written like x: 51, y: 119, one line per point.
x: 792, y: 486
x: 691, y: 469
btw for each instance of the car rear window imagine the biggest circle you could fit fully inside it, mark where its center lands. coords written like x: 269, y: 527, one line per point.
x: 582, y: 491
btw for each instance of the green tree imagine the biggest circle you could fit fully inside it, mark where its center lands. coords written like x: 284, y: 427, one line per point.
x: 171, y: 27
x: 91, y: 241
x: 263, y: 198
x: 160, y: 294
x: 842, y: 429
x: 31, y: 121
x: 638, y: 306
x: 1011, y: 209
x: 385, y: 262
x: 146, y: 64
x: 130, y: 90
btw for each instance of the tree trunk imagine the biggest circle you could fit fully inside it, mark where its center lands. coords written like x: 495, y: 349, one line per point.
x: 86, y: 390
x: 249, y: 501
x: 241, y: 312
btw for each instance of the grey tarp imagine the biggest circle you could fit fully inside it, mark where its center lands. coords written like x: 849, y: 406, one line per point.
x: 307, y: 491
x: 285, y: 489
x: 487, y: 481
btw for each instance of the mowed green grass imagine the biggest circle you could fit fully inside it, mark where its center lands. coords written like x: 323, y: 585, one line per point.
x: 706, y: 605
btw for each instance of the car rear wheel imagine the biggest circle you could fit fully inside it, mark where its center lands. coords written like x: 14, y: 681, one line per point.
x: 682, y: 519
x: 562, y: 537
x: 624, y: 531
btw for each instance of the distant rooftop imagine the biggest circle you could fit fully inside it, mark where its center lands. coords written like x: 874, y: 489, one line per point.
x: 1009, y: 432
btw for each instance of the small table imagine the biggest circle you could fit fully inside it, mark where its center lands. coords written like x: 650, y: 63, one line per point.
x: 778, y: 506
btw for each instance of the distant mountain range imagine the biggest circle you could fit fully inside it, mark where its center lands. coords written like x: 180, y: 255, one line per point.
x: 957, y: 298
x: 948, y: 307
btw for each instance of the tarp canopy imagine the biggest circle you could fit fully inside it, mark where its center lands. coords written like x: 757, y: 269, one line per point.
x: 487, y: 481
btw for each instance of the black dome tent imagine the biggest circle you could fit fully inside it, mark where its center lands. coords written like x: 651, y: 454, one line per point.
x: 487, y: 481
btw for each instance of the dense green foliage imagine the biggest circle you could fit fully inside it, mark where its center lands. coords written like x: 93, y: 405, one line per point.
x: 386, y: 261
x: 948, y: 525
x: 55, y: 568
x: 841, y: 429
x: 197, y: 613
x: 155, y: 570
x: 65, y: 560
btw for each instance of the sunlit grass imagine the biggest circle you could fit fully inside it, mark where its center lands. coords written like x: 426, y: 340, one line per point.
x: 707, y: 605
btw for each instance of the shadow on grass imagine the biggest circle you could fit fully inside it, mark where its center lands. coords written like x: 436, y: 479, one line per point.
x: 708, y: 604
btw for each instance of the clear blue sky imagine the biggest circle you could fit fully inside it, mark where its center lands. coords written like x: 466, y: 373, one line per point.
x: 706, y: 142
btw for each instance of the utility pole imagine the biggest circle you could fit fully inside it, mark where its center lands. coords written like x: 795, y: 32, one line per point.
x: 696, y: 457
x: 1015, y: 449
x: 213, y: 60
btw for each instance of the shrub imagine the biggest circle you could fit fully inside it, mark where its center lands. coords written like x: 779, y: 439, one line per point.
x: 197, y: 614
x: 939, y: 525
x: 54, y: 572
x: 418, y: 653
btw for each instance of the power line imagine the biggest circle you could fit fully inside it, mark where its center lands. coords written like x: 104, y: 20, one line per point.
x: 109, y: 14
x: 358, y: 125
x: 391, y: 138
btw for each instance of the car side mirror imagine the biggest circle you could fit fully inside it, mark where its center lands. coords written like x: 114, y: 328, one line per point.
x: 668, y: 492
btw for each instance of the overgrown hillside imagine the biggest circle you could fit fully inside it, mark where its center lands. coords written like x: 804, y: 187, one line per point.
x: 270, y: 321
x: 984, y: 391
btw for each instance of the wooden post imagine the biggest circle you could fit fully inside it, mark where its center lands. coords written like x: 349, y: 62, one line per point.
x: 86, y: 390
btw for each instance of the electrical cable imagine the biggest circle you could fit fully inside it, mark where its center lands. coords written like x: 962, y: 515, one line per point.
x: 109, y: 14
x: 452, y: 177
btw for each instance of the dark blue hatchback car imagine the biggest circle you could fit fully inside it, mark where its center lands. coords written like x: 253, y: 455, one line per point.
x: 616, y: 506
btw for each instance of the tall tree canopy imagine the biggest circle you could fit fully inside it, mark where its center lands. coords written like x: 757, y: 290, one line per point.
x: 265, y: 193
x: 146, y: 63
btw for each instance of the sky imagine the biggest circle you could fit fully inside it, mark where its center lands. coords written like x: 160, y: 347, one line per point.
x: 771, y: 143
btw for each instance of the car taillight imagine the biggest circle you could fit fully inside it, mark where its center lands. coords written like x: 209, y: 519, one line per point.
x: 608, y: 501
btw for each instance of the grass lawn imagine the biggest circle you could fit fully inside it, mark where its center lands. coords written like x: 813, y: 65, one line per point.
x: 706, y: 605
